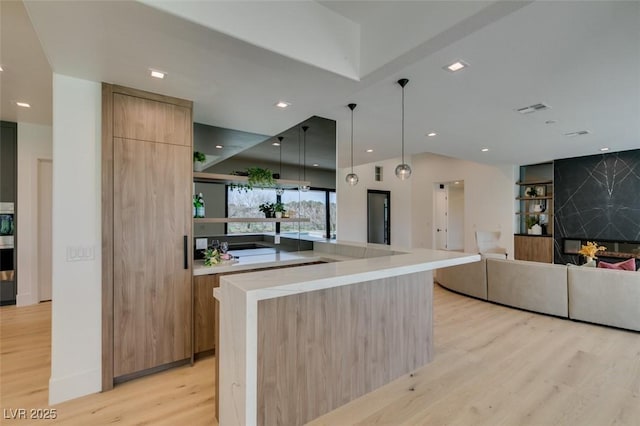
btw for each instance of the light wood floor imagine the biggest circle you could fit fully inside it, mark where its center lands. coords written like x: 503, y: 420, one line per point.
x: 500, y: 366
x: 493, y: 366
x: 182, y: 396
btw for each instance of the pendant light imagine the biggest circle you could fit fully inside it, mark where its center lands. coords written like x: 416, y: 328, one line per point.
x: 304, y: 188
x: 403, y: 171
x: 280, y: 190
x: 352, y: 178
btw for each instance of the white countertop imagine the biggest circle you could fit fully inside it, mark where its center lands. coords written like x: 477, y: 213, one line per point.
x: 279, y: 282
x: 266, y: 260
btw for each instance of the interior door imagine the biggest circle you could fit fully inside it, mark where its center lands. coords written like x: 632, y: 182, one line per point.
x: 378, y: 217
x: 455, y: 216
x: 45, y: 171
x: 441, y: 205
x: 152, y: 283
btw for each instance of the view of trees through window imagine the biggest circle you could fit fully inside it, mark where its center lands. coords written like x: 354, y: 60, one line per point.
x: 311, y: 204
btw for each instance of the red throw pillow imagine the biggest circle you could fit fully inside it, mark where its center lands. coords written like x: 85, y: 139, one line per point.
x: 627, y: 265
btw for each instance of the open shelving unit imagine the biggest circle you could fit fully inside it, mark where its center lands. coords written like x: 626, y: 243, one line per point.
x: 535, y: 247
x: 233, y: 179
x: 249, y: 219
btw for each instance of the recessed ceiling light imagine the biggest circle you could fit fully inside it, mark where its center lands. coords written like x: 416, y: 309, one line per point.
x: 282, y: 104
x: 432, y: 134
x: 315, y: 164
x: 457, y: 182
x: 604, y: 149
x: 456, y: 66
x: 276, y: 144
x: 484, y: 149
x: 369, y: 150
x: 157, y: 74
x: 23, y: 104
x: 219, y: 146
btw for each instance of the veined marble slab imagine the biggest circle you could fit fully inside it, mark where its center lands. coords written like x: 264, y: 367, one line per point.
x: 239, y: 295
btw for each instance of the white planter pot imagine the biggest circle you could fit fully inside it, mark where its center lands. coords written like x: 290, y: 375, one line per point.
x: 278, y: 215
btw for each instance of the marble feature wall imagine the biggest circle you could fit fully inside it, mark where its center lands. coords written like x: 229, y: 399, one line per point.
x: 596, y: 197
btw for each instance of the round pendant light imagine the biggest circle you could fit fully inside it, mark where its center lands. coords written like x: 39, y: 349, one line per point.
x: 304, y: 188
x: 352, y: 178
x: 403, y: 170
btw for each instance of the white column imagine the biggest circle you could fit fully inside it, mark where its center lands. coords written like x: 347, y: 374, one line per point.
x: 76, y: 275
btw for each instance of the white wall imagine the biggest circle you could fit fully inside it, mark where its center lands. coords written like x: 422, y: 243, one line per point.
x: 34, y: 143
x: 76, y: 311
x: 352, y: 203
x: 488, y: 198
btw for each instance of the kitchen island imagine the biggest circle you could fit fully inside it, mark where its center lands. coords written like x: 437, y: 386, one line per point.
x: 299, y: 342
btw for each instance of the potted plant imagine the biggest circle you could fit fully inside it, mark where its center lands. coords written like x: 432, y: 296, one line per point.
x: 530, y: 192
x: 198, y: 161
x: 533, y: 225
x: 267, y: 209
x: 258, y: 178
x: 279, y: 209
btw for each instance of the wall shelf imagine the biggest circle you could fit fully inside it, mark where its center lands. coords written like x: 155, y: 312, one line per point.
x: 534, y: 182
x: 546, y: 197
x: 233, y: 179
x: 249, y: 219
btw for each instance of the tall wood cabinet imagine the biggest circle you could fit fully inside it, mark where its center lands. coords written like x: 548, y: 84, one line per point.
x: 147, y: 185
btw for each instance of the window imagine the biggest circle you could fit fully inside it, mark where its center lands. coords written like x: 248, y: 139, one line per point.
x: 319, y: 205
x: 245, y: 204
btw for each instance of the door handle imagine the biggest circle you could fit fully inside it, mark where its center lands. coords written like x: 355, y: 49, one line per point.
x: 186, y: 251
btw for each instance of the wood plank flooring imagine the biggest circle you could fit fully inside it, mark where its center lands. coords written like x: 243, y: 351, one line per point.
x: 500, y: 366
x: 181, y: 396
x: 493, y: 366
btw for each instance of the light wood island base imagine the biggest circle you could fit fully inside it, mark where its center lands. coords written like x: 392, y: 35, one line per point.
x: 300, y: 342
x: 319, y: 350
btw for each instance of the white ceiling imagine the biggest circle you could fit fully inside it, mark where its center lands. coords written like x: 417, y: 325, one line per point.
x: 27, y: 75
x: 581, y: 58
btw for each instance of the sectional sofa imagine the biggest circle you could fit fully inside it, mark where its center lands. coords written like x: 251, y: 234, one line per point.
x: 601, y: 296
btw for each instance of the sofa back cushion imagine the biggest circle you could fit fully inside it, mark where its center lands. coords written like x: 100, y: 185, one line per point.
x: 469, y: 279
x: 535, y: 286
x: 605, y: 297
x: 627, y: 265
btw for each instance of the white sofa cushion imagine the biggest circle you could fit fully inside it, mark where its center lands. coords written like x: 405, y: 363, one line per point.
x: 605, y: 296
x: 535, y: 286
x: 469, y: 279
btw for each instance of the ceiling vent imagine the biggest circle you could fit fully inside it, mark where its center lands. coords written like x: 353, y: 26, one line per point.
x: 533, y: 108
x: 578, y: 133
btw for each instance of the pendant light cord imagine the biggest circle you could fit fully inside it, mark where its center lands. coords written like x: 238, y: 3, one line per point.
x: 403, y: 125
x: 352, y: 140
x: 280, y: 138
x: 304, y: 152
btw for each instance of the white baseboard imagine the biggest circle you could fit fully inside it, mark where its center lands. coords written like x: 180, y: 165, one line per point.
x: 26, y: 299
x: 74, y: 386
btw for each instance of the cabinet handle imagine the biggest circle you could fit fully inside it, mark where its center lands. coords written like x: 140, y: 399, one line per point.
x: 186, y: 252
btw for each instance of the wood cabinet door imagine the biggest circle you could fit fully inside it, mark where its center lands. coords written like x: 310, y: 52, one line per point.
x: 149, y: 120
x: 152, y: 288
x: 204, y: 313
x: 535, y: 249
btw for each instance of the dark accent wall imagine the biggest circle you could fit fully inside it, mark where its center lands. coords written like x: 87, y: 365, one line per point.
x: 596, y: 197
